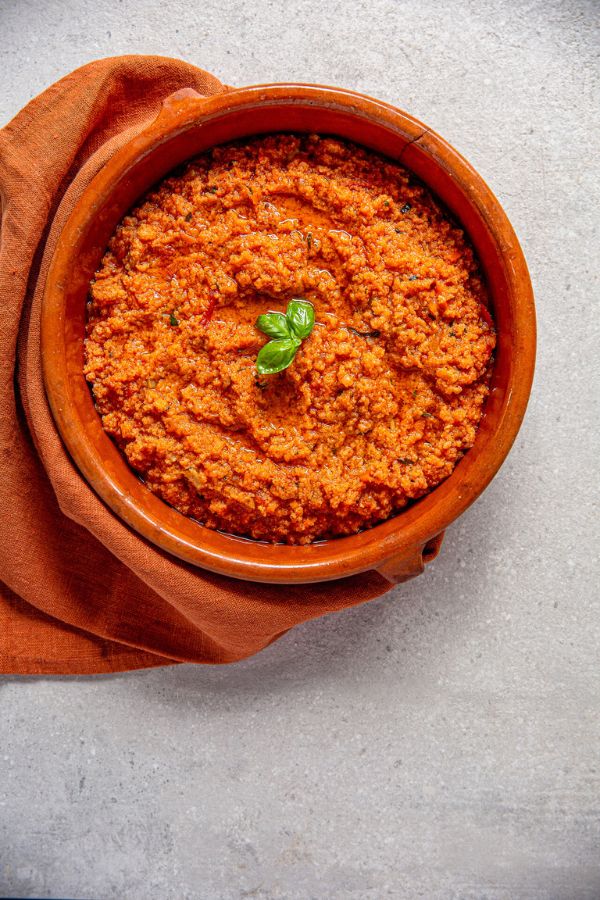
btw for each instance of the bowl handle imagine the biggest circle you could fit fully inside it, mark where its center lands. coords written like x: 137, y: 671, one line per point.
x: 408, y: 565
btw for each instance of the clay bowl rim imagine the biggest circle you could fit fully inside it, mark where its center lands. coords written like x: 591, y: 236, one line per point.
x: 402, y: 536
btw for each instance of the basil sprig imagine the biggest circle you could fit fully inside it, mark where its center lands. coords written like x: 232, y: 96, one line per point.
x: 287, y: 333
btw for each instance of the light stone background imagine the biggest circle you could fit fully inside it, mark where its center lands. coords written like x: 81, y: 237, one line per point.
x: 443, y: 742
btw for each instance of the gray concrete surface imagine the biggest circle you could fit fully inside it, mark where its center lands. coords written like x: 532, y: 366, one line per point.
x: 444, y: 741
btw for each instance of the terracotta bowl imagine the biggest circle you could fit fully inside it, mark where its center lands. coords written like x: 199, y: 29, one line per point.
x: 187, y: 125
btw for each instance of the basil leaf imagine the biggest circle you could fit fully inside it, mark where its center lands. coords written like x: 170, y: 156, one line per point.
x: 274, y: 324
x: 276, y: 356
x: 301, y: 317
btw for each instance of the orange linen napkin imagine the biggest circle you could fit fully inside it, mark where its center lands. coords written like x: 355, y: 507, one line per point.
x: 81, y: 593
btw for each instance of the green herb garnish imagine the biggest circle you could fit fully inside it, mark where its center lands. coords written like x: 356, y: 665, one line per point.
x: 276, y: 356
x: 173, y: 320
x: 274, y: 325
x: 301, y: 316
x: 426, y: 415
x: 288, y: 331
